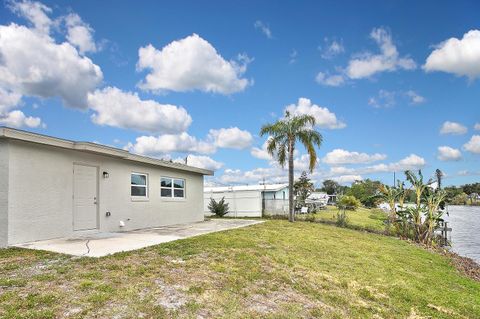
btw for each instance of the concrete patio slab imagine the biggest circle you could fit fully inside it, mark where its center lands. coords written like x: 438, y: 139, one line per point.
x: 102, y: 244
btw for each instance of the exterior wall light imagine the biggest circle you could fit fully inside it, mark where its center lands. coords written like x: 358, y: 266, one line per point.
x: 105, y: 175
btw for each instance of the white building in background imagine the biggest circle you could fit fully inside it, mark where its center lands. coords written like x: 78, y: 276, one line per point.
x: 318, y: 199
x: 250, y: 200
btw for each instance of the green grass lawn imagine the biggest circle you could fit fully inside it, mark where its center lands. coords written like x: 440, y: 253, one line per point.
x: 362, y: 218
x: 271, y: 270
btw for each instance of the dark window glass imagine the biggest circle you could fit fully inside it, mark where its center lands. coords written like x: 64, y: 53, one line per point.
x: 139, y: 179
x: 166, y: 192
x: 139, y: 191
x: 178, y: 193
x: 179, y: 183
x: 166, y: 182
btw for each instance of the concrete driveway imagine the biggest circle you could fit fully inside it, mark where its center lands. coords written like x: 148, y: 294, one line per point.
x: 103, y: 244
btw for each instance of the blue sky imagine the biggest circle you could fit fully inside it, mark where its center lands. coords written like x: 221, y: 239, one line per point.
x: 394, y: 85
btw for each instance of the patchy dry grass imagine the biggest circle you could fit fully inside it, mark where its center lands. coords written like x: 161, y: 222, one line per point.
x: 271, y: 270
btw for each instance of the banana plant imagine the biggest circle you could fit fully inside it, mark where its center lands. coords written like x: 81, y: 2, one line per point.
x: 421, y: 220
x: 434, y: 214
x: 390, y: 195
x: 402, y: 193
x: 418, y: 185
x: 416, y: 212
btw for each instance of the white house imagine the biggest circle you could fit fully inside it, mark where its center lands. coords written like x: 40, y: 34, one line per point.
x: 51, y: 187
x: 250, y: 200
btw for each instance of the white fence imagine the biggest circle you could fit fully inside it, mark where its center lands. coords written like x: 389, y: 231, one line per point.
x: 275, y: 207
x: 240, y: 203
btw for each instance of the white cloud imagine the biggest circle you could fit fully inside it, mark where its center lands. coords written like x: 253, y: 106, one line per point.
x: 34, y: 65
x: 468, y: 173
x: 35, y: 12
x: 18, y: 119
x: 327, y: 79
x: 270, y: 175
x: 259, y: 25
x: 324, y: 118
x: 232, y: 137
x: 277, y: 174
x: 190, y: 64
x: 446, y: 153
x: 331, y: 48
x: 458, y: 56
x: 116, y: 108
x: 261, y: 153
x: 185, y: 143
x: 408, y: 163
x: 341, y: 170
x: 302, y: 163
x: 340, y: 156
x: 384, y: 99
x: 463, y: 173
x: 414, y: 97
x: 453, y: 128
x: 202, y: 161
x: 387, y: 99
x: 293, y: 57
x: 349, y: 174
x: 80, y: 34
x: 168, y: 143
x: 367, y: 64
x: 477, y: 127
x: 347, y: 179
x: 8, y: 100
x: 473, y: 145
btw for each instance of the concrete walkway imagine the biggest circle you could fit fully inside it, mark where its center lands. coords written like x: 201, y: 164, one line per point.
x: 103, y: 244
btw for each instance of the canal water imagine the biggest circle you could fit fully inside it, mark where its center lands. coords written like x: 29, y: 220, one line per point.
x: 465, y: 236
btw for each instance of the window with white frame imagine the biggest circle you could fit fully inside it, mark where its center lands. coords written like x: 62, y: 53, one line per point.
x: 172, y: 187
x: 139, y: 185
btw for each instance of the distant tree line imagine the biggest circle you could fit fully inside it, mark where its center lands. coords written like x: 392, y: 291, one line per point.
x: 366, y: 190
x: 467, y: 194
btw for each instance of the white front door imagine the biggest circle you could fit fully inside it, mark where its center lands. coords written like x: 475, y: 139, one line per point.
x: 84, y: 197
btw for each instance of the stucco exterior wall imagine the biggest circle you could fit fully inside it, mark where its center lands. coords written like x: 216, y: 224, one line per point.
x: 3, y: 193
x: 41, y: 189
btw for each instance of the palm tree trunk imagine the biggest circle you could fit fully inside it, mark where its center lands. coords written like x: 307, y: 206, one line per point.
x: 291, y: 215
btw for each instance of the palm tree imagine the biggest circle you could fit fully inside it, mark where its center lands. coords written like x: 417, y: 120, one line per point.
x: 439, y: 176
x: 281, y: 145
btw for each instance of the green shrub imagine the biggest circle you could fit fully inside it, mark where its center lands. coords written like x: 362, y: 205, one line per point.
x: 348, y: 202
x: 459, y: 199
x: 219, y: 208
x: 342, y: 219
